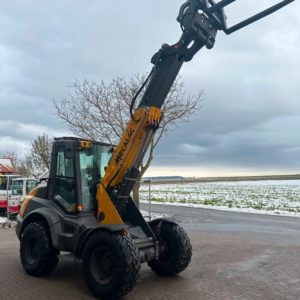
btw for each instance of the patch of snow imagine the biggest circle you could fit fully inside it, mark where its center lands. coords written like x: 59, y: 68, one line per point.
x: 3, y: 220
x: 152, y: 215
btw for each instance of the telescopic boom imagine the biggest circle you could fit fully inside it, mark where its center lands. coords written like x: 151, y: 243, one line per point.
x: 200, y: 20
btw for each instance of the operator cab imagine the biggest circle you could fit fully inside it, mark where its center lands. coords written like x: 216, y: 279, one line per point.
x: 77, y: 166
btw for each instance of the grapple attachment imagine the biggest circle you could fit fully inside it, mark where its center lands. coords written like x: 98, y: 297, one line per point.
x: 215, y: 12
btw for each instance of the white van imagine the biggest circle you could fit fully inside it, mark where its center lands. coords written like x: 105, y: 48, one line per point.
x: 19, y: 189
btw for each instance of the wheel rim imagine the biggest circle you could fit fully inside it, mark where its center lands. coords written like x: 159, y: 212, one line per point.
x: 167, y: 253
x: 32, y: 250
x: 102, y: 265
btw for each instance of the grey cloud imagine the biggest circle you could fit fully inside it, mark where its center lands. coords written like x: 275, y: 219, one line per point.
x: 250, y: 116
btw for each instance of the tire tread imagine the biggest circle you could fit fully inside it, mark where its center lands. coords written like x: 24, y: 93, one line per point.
x: 132, y: 265
x: 183, y: 251
x: 48, y: 258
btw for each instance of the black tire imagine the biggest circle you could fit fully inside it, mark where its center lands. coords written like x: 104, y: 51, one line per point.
x: 38, y: 257
x: 110, y: 264
x: 177, y: 252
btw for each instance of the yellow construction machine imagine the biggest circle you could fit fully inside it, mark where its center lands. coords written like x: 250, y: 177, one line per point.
x: 86, y: 208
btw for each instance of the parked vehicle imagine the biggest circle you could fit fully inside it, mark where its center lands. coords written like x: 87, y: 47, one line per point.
x: 5, y: 191
x: 19, y: 189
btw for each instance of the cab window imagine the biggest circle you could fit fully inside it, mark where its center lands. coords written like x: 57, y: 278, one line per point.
x: 93, y: 162
x: 17, y: 187
x: 65, y: 187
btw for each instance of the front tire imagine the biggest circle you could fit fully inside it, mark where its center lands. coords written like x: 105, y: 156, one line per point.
x: 177, y: 250
x: 110, y: 264
x: 38, y: 257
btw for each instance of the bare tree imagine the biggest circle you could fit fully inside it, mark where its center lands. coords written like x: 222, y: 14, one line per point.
x: 23, y: 170
x: 100, y: 111
x: 37, y: 161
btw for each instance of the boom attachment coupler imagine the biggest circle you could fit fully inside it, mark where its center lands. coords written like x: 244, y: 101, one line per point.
x: 215, y: 12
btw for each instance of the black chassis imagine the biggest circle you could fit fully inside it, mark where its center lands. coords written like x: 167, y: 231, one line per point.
x: 69, y: 233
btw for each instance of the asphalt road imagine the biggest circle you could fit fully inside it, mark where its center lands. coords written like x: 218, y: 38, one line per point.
x: 217, y: 220
x: 235, y: 256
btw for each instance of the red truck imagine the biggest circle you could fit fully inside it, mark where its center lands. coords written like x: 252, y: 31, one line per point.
x: 5, y: 191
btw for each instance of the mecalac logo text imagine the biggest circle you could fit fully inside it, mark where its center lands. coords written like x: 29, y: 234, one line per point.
x: 119, y: 156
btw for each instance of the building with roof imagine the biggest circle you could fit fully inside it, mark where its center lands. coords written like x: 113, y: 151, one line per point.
x: 7, y: 166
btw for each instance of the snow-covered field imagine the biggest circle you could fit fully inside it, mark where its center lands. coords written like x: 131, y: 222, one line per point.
x: 269, y: 196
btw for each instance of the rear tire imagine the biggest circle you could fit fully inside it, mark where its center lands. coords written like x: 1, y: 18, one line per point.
x: 38, y: 257
x: 177, y: 252
x: 110, y: 264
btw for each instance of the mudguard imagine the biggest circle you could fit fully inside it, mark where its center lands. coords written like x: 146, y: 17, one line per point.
x: 42, y: 214
x: 157, y: 223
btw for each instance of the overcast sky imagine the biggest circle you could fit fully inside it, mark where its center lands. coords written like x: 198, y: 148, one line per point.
x: 250, y: 119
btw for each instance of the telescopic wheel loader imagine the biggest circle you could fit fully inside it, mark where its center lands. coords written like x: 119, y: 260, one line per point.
x: 86, y: 208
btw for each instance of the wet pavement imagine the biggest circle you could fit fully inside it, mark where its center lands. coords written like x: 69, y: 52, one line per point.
x: 235, y: 256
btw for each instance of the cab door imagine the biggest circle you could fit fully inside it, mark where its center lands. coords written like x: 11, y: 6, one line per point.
x: 64, y: 189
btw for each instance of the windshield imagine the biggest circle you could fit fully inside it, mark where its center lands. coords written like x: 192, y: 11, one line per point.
x: 92, y: 169
x: 17, y: 187
x: 3, y: 182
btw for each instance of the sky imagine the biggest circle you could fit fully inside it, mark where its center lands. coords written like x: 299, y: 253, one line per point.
x: 249, y: 123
